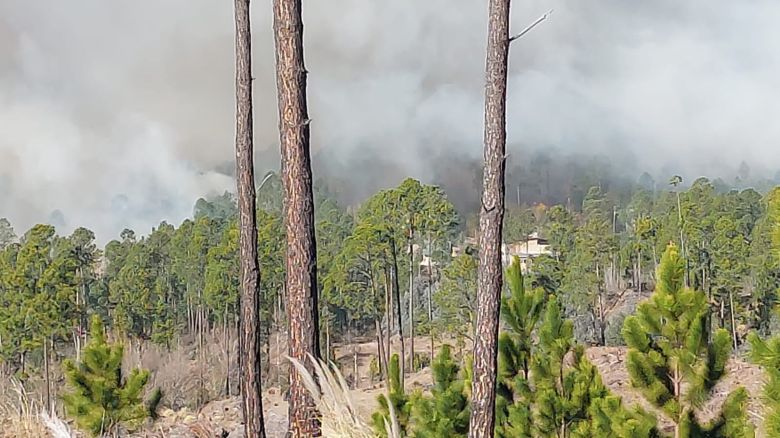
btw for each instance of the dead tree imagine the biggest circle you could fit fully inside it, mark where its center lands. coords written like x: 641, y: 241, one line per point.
x: 491, y: 218
x: 249, y: 337
x: 298, y: 210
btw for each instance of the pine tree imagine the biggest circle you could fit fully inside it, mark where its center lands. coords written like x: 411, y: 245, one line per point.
x: 570, y: 398
x: 549, y: 388
x: 670, y: 359
x: 767, y: 354
x: 397, y: 397
x: 446, y: 412
x: 101, y: 397
x: 520, y: 313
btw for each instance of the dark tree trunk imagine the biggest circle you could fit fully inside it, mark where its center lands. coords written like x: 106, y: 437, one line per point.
x: 249, y: 333
x: 303, y: 315
x: 491, y: 218
x: 226, y: 335
x: 397, y: 290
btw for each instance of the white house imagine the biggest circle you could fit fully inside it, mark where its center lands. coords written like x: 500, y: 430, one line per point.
x: 527, y: 250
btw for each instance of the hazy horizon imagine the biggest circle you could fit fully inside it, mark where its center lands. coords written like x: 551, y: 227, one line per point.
x: 120, y: 115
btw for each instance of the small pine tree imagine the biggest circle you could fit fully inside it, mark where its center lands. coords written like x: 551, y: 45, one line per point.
x: 550, y: 388
x: 520, y: 313
x: 446, y: 412
x: 400, y: 400
x: 767, y: 354
x: 570, y: 398
x: 670, y: 359
x: 100, y: 397
x: 609, y: 418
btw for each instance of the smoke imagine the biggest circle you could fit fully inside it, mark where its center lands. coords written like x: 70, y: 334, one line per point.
x: 120, y: 114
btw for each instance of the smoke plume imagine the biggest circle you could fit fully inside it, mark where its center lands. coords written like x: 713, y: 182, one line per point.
x: 119, y: 114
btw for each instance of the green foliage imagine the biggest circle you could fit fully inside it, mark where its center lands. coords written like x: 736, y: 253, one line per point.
x: 549, y: 388
x: 520, y: 313
x: 455, y: 298
x: 401, y: 402
x: 445, y: 413
x: 101, y: 397
x: 670, y: 358
x: 767, y: 354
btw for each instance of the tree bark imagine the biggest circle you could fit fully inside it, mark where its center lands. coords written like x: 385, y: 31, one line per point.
x: 303, y: 315
x: 249, y: 333
x: 734, y: 339
x: 411, y: 301
x: 430, y: 296
x: 397, y: 289
x: 227, y: 350
x: 491, y: 218
x: 48, y: 375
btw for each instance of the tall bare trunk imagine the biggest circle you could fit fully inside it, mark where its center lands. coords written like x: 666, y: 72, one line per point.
x: 380, y: 347
x: 249, y: 333
x: 411, y: 302
x: 226, y: 335
x: 48, y: 375
x: 388, y: 314
x: 327, y: 339
x: 430, y: 295
x: 397, y: 290
x: 491, y: 218
x: 733, y: 320
x: 303, y: 314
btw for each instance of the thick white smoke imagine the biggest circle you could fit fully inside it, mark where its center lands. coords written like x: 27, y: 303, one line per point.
x: 120, y: 113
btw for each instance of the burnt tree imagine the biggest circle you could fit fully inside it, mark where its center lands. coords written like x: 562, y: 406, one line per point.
x: 491, y: 218
x: 249, y: 337
x: 301, y: 283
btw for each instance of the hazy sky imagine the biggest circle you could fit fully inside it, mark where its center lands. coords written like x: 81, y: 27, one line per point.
x: 120, y: 113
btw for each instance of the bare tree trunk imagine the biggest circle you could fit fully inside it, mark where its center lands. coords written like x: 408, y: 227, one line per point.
x: 388, y: 314
x: 249, y: 333
x: 327, y: 339
x: 227, y: 350
x: 639, y: 270
x: 411, y: 302
x: 397, y: 289
x: 430, y: 295
x: 303, y: 314
x: 380, y: 348
x: 201, y: 355
x: 491, y: 218
x: 48, y: 375
x: 733, y: 320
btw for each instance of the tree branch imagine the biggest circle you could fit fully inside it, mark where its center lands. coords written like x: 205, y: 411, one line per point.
x: 528, y: 29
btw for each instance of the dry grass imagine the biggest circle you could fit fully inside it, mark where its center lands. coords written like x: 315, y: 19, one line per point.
x: 187, y: 377
x: 22, y: 413
x: 330, y: 391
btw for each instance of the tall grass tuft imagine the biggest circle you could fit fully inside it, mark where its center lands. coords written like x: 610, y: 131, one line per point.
x: 331, y: 394
x: 19, y: 411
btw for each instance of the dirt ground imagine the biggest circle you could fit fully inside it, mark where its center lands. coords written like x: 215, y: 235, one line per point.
x: 223, y: 418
